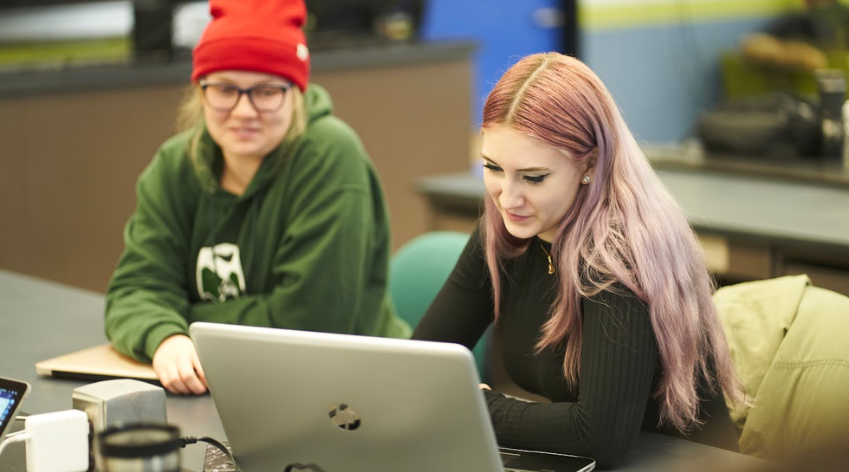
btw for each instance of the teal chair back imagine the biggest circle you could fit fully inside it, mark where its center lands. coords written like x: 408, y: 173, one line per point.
x: 417, y: 272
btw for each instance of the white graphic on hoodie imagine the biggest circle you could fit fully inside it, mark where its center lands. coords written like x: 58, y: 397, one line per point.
x: 219, y: 273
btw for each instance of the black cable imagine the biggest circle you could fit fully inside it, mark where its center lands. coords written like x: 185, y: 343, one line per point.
x: 215, y: 443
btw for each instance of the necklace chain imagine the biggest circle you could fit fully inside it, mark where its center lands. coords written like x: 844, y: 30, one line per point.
x: 548, y: 255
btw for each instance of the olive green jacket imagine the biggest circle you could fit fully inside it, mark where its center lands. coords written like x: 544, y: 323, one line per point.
x: 789, y: 342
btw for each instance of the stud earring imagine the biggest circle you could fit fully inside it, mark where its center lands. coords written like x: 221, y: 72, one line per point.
x: 586, y: 179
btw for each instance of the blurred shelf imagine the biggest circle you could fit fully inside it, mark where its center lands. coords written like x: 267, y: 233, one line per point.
x: 815, y: 170
x: 64, y: 76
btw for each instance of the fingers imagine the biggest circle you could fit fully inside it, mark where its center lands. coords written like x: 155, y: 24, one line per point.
x: 192, y: 374
x: 484, y: 386
x: 177, y: 365
x: 181, y: 378
x: 199, y: 369
x: 188, y: 381
x: 172, y: 380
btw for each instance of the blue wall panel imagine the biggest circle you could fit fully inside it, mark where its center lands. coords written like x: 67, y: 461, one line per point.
x: 662, y: 77
x: 505, y: 31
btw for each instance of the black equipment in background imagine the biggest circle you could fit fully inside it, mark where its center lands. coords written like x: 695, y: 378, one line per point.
x: 777, y: 125
x: 339, y: 23
x: 152, y: 30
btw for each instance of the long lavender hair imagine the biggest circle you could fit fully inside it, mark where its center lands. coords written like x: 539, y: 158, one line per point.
x: 622, y: 227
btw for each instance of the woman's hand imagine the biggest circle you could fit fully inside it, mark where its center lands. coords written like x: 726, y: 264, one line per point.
x: 177, y: 365
x: 484, y: 387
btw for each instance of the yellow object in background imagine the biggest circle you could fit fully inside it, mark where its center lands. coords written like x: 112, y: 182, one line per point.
x: 742, y: 77
x: 767, y: 50
x: 58, y: 55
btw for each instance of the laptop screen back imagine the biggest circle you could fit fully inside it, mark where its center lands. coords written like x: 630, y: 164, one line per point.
x: 292, y: 400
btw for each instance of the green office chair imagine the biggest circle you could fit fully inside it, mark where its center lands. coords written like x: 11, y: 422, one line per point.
x: 417, y: 272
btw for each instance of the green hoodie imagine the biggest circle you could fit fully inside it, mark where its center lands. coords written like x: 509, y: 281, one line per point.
x: 306, y: 246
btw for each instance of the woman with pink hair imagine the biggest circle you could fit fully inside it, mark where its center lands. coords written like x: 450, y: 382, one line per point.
x: 593, y: 274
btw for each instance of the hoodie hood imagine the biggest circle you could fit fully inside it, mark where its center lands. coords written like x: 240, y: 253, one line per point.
x: 317, y: 103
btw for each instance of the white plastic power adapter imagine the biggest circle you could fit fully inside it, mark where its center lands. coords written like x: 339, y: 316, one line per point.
x: 57, y: 442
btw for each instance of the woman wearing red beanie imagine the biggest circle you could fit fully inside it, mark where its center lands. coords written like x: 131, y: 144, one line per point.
x: 265, y: 211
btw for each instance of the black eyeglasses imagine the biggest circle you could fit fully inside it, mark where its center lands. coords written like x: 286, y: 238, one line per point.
x: 224, y: 97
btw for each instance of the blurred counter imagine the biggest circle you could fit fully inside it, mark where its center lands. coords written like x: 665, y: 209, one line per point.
x: 691, y: 157
x: 84, y: 78
x: 750, y: 227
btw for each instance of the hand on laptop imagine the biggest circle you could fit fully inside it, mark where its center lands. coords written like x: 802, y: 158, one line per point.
x: 178, y: 367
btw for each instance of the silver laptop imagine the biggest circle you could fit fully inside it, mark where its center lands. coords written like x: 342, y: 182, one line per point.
x: 296, y: 400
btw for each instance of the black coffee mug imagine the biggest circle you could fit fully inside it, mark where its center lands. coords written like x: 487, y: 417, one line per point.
x: 139, y: 447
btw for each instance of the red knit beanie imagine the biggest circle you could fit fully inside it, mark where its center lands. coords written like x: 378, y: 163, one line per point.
x: 255, y: 35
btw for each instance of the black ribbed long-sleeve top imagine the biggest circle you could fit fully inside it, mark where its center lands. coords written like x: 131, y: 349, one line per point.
x: 619, y: 364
